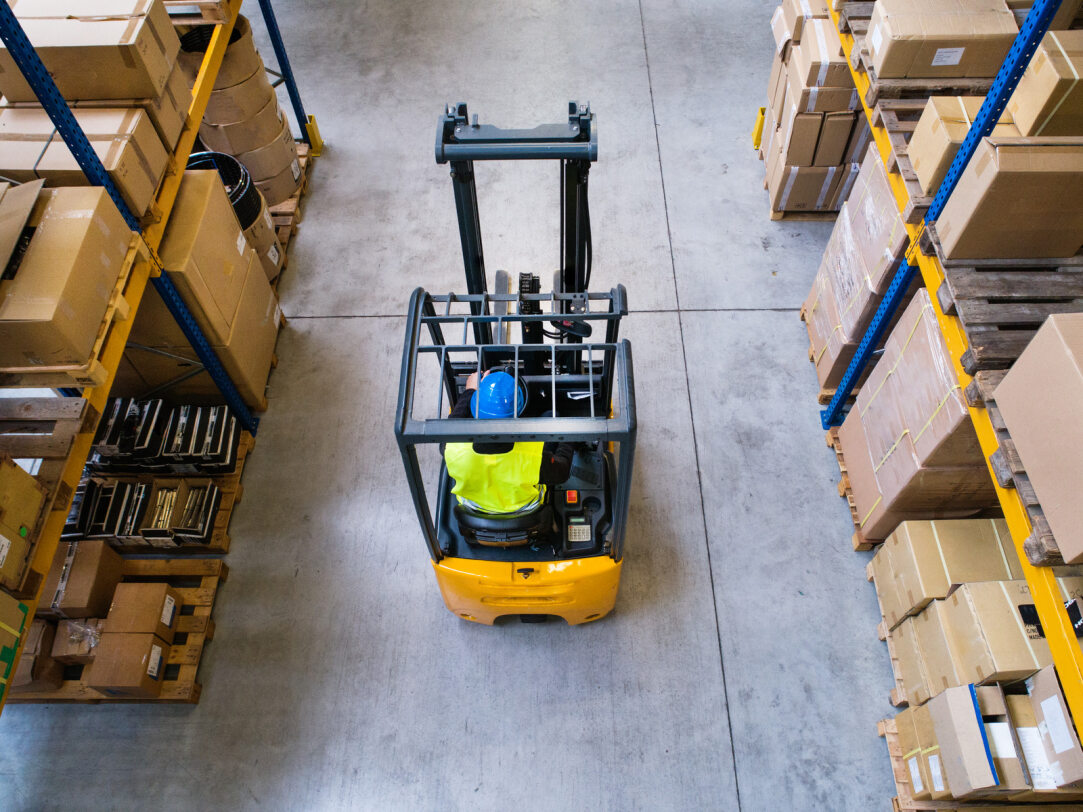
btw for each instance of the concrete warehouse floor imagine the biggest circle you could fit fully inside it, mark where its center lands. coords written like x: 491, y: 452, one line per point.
x: 740, y: 669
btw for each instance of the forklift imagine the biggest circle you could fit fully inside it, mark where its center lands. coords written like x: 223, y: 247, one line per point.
x: 561, y: 557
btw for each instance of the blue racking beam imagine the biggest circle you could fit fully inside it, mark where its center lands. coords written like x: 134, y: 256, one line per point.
x: 284, y: 68
x: 28, y: 61
x: 1007, y: 78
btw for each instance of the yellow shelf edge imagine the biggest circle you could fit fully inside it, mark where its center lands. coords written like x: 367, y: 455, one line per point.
x: 49, y: 540
x: 1059, y: 632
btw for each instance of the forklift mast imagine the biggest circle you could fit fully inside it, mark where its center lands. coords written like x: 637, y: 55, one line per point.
x: 461, y: 140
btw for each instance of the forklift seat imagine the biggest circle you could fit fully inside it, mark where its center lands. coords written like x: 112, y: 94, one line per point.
x: 504, y: 531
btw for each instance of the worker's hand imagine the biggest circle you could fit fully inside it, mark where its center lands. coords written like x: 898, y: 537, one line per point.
x: 472, y: 381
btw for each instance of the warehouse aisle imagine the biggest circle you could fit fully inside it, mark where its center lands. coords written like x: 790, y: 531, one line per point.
x: 740, y: 669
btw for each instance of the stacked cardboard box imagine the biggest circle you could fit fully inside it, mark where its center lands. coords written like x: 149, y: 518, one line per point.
x: 862, y: 256
x: 22, y: 498
x: 991, y: 743
x: 1046, y: 430
x: 814, y: 137
x: 14, y: 619
x: 37, y: 670
x: 223, y: 283
x: 910, y: 447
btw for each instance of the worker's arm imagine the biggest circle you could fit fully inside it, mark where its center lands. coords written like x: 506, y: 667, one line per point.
x: 462, y: 405
x: 556, y: 463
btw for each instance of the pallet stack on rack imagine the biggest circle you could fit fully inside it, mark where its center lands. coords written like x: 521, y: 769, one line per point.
x: 99, y: 206
x: 953, y: 388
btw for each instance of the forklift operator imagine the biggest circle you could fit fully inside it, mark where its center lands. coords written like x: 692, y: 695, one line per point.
x: 501, y: 478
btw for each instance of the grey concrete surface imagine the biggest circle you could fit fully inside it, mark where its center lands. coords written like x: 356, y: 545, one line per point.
x: 740, y: 670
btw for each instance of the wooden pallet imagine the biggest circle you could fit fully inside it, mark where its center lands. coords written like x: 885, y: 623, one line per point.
x: 43, y: 429
x: 860, y: 543
x: 231, y: 489
x: 1002, y: 302
x: 198, y: 12
x: 93, y: 372
x: 899, y: 118
x: 904, y: 798
x: 286, y: 216
x: 806, y: 216
x: 197, y: 580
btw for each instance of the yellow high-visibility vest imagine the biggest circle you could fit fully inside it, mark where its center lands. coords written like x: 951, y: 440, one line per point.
x: 496, y: 483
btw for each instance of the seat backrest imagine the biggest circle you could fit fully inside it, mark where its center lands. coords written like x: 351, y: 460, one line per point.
x: 504, y: 531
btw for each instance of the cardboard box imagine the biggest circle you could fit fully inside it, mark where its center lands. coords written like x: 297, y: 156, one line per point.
x: 920, y: 39
x: 796, y: 12
x: 937, y: 788
x: 52, y: 307
x: 1018, y: 198
x: 1065, y: 16
x: 76, y: 641
x: 246, y: 135
x: 263, y: 239
x: 129, y: 665
x: 206, y: 254
x: 931, y: 558
x: 910, y: 747
x: 977, y: 744
x: 167, y: 112
x: 242, y: 101
x: 144, y: 609
x: 798, y: 135
x: 818, y: 99
x: 1055, y: 739
x: 940, y: 132
x: 37, y: 670
x: 14, y: 618
x: 1046, y: 429
x: 124, y: 139
x: 943, y: 665
x: 797, y: 188
x: 81, y: 580
x: 105, y: 49
x: 982, y: 622
x: 1049, y: 98
x: 21, y: 500
x: 1047, y: 779
x: 819, y: 59
x: 912, y: 670
x: 834, y: 138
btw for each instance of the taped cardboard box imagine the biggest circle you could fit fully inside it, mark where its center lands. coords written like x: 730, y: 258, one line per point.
x: 938, y: 788
x: 829, y: 349
x: 242, y: 101
x: 144, y: 609
x: 1018, y: 198
x: 943, y: 664
x: 940, y: 132
x: 797, y: 12
x: 1056, y: 738
x: 1046, y: 430
x: 263, y: 240
x: 920, y: 39
x: 930, y: 559
x: 52, y: 306
x: 206, y: 253
x: 798, y: 135
x: 22, y: 498
x: 801, y: 188
x: 1049, y: 97
x: 1066, y: 15
x: 242, y: 136
x: 104, y: 49
x: 819, y: 59
x: 910, y: 747
x: 76, y: 641
x: 81, y: 580
x: 129, y: 665
x: 124, y: 140
x: 782, y: 31
x: 982, y: 621
x: 911, y: 667
x: 14, y: 618
x: 834, y: 138
x: 37, y: 670
x: 1048, y: 779
x: 818, y: 99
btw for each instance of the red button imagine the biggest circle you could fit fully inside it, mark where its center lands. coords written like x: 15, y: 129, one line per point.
x: 572, y: 497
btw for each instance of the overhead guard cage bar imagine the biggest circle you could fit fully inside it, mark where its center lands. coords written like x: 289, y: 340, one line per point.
x: 461, y: 140
x: 615, y: 423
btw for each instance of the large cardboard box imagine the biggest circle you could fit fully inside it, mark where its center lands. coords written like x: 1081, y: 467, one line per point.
x: 1054, y: 752
x: 1049, y: 97
x: 129, y: 665
x: 1046, y: 430
x: 938, y: 788
x: 920, y: 39
x: 144, y: 609
x: 943, y: 664
x: 910, y: 748
x: 1064, y: 18
x: 940, y: 132
x: 37, y: 670
x: 167, y: 112
x: 983, y: 624
x: 206, y: 254
x: 834, y: 138
x: 81, y: 581
x: 819, y: 59
x: 54, y: 303
x: 799, y: 188
x: 929, y: 559
x: 1018, y: 198
x: 817, y: 99
x: 77, y: 641
x: 103, y: 49
x: 242, y: 101
x: 911, y: 667
x: 124, y: 139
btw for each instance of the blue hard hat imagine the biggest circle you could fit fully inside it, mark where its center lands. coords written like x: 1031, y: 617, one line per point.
x: 495, y: 397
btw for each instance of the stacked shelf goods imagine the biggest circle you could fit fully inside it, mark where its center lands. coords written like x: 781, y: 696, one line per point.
x: 979, y: 626
x: 141, y: 119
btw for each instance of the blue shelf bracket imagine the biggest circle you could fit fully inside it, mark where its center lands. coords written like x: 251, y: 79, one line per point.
x: 1007, y: 79
x: 307, y: 124
x: 28, y: 61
